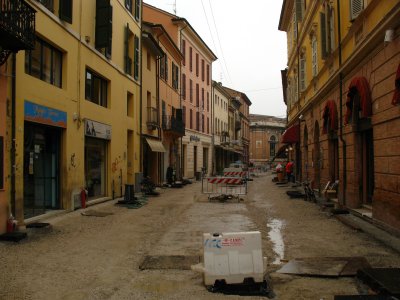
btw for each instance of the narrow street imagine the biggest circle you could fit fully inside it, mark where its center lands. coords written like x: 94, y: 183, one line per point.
x: 82, y: 257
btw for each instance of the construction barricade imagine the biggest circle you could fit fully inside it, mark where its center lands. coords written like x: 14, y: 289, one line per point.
x: 224, y: 188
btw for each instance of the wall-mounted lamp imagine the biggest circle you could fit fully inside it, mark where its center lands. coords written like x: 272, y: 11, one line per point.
x: 389, y: 35
x: 290, y: 148
x: 74, y: 116
x: 87, y: 39
x: 301, y: 117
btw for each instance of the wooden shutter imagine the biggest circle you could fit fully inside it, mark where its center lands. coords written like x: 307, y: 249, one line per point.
x: 109, y: 45
x: 65, y: 11
x: 302, y: 74
x: 324, y: 50
x: 299, y: 10
x: 136, y: 57
x: 103, y: 12
x: 128, y: 61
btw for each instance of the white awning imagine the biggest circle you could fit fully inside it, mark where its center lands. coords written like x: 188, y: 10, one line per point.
x: 155, y: 145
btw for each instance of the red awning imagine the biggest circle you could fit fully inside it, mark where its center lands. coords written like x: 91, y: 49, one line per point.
x: 396, y: 95
x: 330, y: 116
x: 291, y: 135
x: 360, y: 86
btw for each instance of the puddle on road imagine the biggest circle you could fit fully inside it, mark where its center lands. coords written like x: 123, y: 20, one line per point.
x: 275, y: 235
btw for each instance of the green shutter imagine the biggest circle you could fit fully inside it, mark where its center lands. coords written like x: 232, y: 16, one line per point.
x: 103, y: 12
x: 136, y: 57
x: 65, y: 11
x: 324, y: 50
x: 127, y: 59
x: 109, y: 45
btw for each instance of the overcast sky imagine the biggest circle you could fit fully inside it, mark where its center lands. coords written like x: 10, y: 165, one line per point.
x: 244, y: 35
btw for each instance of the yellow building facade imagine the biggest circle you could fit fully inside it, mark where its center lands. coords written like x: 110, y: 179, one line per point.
x: 340, y: 81
x: 78, y: 105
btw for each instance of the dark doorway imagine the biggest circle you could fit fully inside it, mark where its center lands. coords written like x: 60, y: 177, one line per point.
x: 41, y: 169
x: 367, y: 166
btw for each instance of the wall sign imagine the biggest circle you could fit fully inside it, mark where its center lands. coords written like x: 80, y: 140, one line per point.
x: 45, y: 115
x: 98, y: 130
x: 194, y: 138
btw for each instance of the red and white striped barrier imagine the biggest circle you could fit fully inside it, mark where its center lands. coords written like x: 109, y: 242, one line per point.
x: 235, y: 174
x: 220, y: 180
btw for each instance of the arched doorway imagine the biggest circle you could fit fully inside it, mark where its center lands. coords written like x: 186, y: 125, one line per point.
x: 317, y: 157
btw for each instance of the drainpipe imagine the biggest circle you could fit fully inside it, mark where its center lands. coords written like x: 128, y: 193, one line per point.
x: 344, y: 183
x: 13, y: 133
x: 158, y: 114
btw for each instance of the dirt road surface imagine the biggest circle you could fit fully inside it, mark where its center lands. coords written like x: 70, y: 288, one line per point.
x: 80, y: 257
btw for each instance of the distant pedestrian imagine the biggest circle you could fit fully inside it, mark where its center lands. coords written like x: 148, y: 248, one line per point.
x: 289, y: 170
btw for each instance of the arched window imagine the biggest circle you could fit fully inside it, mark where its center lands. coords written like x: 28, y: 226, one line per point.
x: 272, y: 146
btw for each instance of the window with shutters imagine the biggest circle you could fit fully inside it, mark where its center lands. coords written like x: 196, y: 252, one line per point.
x: 327, y: 31
x: 183, y: 85
x: 202, y: 70
x: 208, y: 74
x: 175, y: 76
x: 208, y: 125
x: 103, y: 35
x: 164, y: 67
x: 191, y: 90
x: 208, y: 101
x: 197, y: 64
x: 96, y: 88
x: 294, y: 25
x: 136, y: 58
x: 197, y: 95
x: 314, y: 51
x: 202, y: 98
x: 129, y: 50
x: 302, y: 74
x: 299, y: 9
x: 197, y: 121
x: 190, y: 59
x: 356, y: 7
x: 129, y: 6
x: 183, y: 50
x: 191, y: 118
x: 137, y: 10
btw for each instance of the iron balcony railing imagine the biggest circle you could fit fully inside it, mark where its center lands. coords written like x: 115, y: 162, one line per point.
x: 17, y: 25
x: 174, y: 125
x: 152, y: 117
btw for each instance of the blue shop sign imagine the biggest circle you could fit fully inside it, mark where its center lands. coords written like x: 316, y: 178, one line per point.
x: 45, y: 115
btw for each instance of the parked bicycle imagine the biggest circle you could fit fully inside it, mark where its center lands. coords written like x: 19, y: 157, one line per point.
x: 148, y: 187
x: 308, y: 192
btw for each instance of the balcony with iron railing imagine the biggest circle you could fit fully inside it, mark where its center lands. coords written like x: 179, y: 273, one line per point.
x: 173, y: 125
x: 152, y: 118
x: 17, y: 27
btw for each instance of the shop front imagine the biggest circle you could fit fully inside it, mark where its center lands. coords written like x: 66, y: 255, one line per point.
x: 43, y: 129
x: 97, y: 137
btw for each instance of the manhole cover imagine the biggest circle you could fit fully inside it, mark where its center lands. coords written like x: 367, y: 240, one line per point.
x: 179, y: 262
